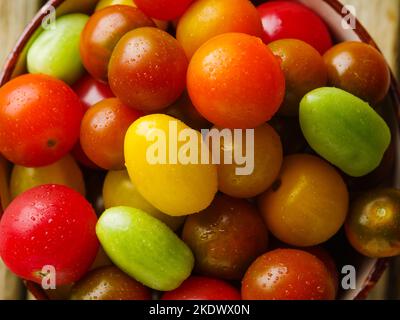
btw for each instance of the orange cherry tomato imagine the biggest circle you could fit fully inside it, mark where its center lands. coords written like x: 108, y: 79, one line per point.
x: 235, y: 81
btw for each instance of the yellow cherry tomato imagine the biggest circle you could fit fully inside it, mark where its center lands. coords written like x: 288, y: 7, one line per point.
x: 106, y: 3
x: 118, y: 190
x: 65, y: 172
x: 168, y: 173
x: 308, y: 203
x: 263, y: 158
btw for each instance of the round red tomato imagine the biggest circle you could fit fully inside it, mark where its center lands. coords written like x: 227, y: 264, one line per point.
x: 147, y: 69
x: 291, y: 20
x: 202, y: 288
x: 50, y: 225
x: 288, y: 274
x: 103, y: 132
x: 235, y: 81
x: 163, y: 9
x: 40, y: 120
x: 102, y: 33
x: 91, y: 91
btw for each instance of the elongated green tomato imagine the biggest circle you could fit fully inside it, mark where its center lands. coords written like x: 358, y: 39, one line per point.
x: 168, y: 173
x: 65, y: 172
x: 144, y: 248
x: 344, y: 130
x: 118, y: 190
x: 56, y: 51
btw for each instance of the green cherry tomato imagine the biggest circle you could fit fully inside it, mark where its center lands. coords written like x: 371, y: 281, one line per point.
x: 373, y: 225
x: 56, y: 51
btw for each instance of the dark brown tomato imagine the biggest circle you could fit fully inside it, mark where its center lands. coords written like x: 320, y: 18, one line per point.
x: 373, y: 225
x: 304, y: 71
x: 359, y: 69
x: 226, y: 237
x: 103, y: 31
x: 147, y: 69
x: 109, y: 283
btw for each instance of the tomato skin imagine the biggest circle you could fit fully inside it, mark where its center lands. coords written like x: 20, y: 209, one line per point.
x: 102, y: 33
x: 109, y: 283
x: 304, y: 71
x: 39, y: 120
x: 91, y: 91
x: 267, y: 162
x: 373, y: 224
x: 163, y: 9
x: 153, y: 75
x: 287, y: 274
x: 206, y: 19
x: 227, y: 96
x: 226, y: 237
x: 291, y: 20
x: 360, y: 69
x: 308, y: 204
x: 202, y: 288
x: 49, y: 225
x: 103, y: 131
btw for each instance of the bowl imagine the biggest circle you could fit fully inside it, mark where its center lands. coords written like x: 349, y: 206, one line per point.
x: 368, y: 270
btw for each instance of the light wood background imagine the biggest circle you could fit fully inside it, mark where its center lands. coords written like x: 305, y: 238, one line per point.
x: 380, y: 17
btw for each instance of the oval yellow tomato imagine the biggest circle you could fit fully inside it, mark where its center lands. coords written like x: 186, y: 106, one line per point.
x: 164, y: 160
x: 308, y: 203
x: 118, y: 190
x: 65, y: 172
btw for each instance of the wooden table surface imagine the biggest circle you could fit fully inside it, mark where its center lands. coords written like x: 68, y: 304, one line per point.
x: 380, y: 17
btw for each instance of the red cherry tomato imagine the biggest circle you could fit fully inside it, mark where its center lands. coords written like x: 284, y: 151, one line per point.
x: 80, y: 156
x: 40, y: 120
x: 291, y: 20
x: 288, y: 274
x: 50, y: 225
x: 202, y: 288
x: 91, y: 91
x: 163, y: 9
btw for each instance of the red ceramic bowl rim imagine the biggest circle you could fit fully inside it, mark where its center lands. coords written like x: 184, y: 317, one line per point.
x: 379, y: 266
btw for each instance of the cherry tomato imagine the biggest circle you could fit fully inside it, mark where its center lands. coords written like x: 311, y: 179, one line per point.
x: 163, y: 25
x: 226, y: 95
x: 360, y: 69
x: 65, y: 172
x: 263, y: 169
x: 184, y: 110
x: 226, y: 237
x: 151, y: 76
x: 206, y: 19
x: 103, y: 131
x: 202, y: 288
x: 289, y: 131
x: 304, y: 71
x: 40, y: 118
x: 91, y: 91
x: 80, y: 156
x: 292, y: 20
x: 102, y: 33
x: 118, y: 190
x: 308, y: 203
x: 373, y: 224
x: 163, y: 9
x: 287, y: 274
x: 49, y: 225
x: 109, y: 283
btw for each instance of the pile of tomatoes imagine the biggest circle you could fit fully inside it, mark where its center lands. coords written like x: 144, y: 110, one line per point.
x: 86, y: 200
